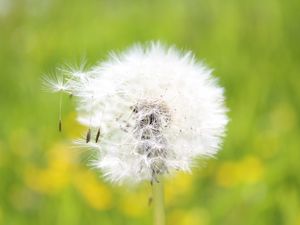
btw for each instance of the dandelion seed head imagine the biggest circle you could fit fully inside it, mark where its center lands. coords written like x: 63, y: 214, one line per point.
x: 158, y: 109
x: 55, y: 84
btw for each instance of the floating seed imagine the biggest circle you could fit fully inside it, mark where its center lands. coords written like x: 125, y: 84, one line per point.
x: 88, y: 136
x: 98, y: 135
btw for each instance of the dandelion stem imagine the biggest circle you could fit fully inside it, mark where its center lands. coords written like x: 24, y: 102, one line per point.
x: 158, y: 203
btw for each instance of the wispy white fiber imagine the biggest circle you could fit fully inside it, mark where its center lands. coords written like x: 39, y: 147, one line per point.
x: 158, y: 109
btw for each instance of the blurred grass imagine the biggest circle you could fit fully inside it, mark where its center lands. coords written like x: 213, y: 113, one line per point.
x: 253, y: 47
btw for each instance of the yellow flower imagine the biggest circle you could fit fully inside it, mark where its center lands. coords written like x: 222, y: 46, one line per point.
x: 177, y: 185
x: 96, y: 194
x: 196, y: 216
x: 45, y: 181
x: 250, y: 170
x: 297, y: 221
x: 226, y: 176
x: 55, y: 176
x: 129, y: 201
x: 247, y: 171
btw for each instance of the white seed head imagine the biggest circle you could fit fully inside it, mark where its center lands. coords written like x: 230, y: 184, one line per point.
x: 158, y: 110
x: 55, y: 84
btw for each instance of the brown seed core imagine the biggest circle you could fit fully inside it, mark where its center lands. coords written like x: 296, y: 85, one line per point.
x: 151, y: 118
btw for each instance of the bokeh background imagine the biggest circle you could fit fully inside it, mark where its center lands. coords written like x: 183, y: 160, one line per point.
x: 253, y: 46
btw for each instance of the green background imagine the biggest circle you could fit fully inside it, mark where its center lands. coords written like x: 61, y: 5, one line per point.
x: 253, y: 46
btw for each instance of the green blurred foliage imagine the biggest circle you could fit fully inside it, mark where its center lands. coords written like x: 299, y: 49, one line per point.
x: 253, y: 45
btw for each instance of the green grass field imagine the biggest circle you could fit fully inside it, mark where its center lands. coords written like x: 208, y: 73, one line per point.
x: 254, y: 48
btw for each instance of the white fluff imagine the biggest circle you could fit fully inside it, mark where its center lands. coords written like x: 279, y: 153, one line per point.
x: 157, y: 108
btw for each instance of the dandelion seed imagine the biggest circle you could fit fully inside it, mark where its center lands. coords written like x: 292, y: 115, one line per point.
x: 88, y: 136
x: 56, y: 84
x: 98, y: 135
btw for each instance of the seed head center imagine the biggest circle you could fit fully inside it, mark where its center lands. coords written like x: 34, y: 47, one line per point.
x: 151, y: 118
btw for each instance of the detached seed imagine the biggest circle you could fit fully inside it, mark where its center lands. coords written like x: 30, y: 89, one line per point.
x: 88, y: 136
x: 98, y: 135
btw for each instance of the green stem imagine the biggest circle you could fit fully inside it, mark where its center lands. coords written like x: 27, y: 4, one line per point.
x: 158, y: 203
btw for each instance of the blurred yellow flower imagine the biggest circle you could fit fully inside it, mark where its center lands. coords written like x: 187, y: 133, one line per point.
x: 247, y: 171
x: 297, y: 221
x: 250, y: 170
x: 56, y: 175
x: 226, y: 174
x: 197, y: 216
x: 128, y: 203
x: 62, y: 171
x: 180, y: 184
x: 96, y: 194
x: 44, y: 181
x: 175, y: 217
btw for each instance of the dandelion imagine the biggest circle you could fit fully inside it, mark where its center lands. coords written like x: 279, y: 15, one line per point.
x: 158, y: 110
x: 56, y: 84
